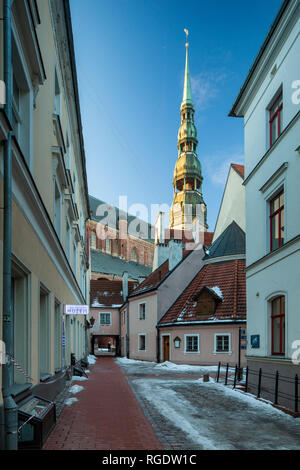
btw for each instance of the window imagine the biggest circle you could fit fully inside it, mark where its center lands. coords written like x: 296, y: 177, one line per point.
x: 44, y: 333
x: 56, y: 94
x: 107, y: 245
x: 68, y: 236
x: 133, y: 255
x: 75, y: 259
x: 275, y: 119
x: 93, y: 241
x: 142, y: 311
x: 278, y: 325
x: 105, y: 318
x: 222, y: 343
x: 142, y: 342
x: 57, y: 336
x: 277, y: 221
x: 57, y: 209
x: 192, y: 344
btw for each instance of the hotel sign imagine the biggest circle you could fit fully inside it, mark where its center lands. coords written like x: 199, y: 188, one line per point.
x: 76, y: 310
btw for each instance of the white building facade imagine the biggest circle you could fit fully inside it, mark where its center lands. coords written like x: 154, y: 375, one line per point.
x: 269, y: 102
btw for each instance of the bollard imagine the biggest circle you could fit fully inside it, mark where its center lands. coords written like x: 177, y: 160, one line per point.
x: 11, y: 423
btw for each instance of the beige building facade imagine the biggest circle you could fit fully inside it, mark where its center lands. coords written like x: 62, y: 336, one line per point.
x: 49, y: 253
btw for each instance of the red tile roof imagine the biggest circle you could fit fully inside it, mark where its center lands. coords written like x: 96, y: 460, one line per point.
x: 239, y: 168
x: 108, y: 292
x: 229, y: 277
x: 208, y: 237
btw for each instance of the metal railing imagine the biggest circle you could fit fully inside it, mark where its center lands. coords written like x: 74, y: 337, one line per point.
x: 236, y: 376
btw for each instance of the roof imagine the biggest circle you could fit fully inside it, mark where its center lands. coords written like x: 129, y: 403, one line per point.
x: 107, y: 264
x: 275, y: 23
x: 208, y: 237
x: 156, y: 278
x: 227, y: 283
x: 240, y: 169
x: 106, y: 292
x: 112, y: 220
x: 231, y: 242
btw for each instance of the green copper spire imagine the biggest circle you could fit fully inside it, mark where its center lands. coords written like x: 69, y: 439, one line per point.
x: 187, y: 90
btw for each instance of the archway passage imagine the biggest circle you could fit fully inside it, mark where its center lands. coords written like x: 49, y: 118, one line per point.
x: 106, y: 345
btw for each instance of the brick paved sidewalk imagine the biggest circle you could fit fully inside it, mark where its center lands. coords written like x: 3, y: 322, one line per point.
x: 107, y: 415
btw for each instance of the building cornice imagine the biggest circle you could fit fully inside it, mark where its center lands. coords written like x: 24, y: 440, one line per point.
x: 269, y: 256
x: 265, y: 54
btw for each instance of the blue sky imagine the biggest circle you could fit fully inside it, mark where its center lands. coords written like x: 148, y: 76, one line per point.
x: 130, y: 58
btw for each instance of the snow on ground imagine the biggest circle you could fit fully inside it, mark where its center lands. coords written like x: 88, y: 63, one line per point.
x: 125, y: 360
x: 77, y: 378
x: 171, y: 366
x: 70, y: 401
x: 75, y: 389
x: 91, y: 359
x: 212, y: 416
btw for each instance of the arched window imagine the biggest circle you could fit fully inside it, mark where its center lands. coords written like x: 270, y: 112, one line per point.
x: 278, y: 325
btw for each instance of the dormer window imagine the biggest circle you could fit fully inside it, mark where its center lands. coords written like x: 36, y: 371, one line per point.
x: 207, y: 301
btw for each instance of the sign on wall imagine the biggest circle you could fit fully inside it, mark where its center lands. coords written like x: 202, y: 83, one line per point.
x: 76, y: 309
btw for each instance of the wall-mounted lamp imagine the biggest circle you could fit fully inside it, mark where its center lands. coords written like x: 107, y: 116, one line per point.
x: 177, y: 342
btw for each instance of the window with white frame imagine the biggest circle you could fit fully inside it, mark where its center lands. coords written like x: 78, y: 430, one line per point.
x: 142, y: 342
x: 142, y: 311
x: 93, y: 241
x: 22, y: 99
x: 75, y: 258
x: 192, y: 343
x: 223, y: 343
x: 57, y: 94
x: 68, y: 238
x: 104, y: 318
x: 57, y: 208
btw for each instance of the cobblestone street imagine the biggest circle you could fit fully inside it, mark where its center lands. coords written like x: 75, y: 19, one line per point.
x: 170, y: 410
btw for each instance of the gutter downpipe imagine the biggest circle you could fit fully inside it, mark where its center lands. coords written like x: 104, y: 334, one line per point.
x: 10, y: 407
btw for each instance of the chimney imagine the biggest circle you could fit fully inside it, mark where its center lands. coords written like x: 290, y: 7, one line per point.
x: 159, y: 228
x: 161, y: 250
x: 175, y: 253
x: 125, y: 285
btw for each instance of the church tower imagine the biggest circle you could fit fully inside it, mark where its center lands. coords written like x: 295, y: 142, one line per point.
x: 188, y: 207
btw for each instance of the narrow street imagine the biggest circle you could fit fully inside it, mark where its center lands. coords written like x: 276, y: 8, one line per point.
x: 172, y: 409
x: 106, y: 415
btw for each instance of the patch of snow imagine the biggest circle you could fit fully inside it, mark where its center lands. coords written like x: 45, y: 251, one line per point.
x: 217, y: 291
x: 91, y: 359
x: 125, y: 360
x: 70, y: 401
x: 87, y: 371
x: 76, y: 389
x: 78, y: 378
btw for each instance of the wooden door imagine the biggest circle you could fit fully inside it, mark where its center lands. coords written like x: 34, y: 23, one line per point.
x: 166, y: 346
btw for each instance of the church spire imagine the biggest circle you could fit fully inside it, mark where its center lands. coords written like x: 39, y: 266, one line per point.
x: 188, y: 203
x: 187, y: 89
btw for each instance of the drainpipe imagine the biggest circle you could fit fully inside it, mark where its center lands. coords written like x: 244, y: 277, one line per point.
x: 127, y: 336
x: 10, y: 408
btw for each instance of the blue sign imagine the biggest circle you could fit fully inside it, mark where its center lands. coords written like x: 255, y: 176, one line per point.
x: 243, y: 346
x: 255, y: 341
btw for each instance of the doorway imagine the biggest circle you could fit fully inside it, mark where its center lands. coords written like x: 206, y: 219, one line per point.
x: 166, y: 348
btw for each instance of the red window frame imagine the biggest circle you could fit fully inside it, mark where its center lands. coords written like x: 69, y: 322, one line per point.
x: 281, y: 317
x: 278, y: 212
x: 275, y: 114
